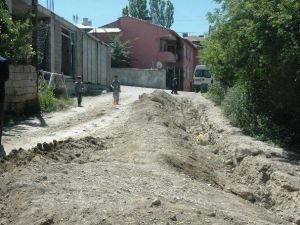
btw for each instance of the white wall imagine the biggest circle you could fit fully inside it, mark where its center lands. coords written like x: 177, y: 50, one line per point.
x: 140, y: 77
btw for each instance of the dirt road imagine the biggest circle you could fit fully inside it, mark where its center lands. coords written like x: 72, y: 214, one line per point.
x: 98, y: 113
x: 156, y: 159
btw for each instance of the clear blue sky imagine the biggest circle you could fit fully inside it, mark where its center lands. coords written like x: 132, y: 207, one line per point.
x: 189, y: 15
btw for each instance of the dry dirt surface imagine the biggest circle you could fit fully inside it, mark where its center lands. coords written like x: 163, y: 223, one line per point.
x: 157, y: 160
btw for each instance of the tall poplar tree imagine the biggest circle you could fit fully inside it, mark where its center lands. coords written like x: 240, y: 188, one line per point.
x: 162, y: 12
x: 136, y: 8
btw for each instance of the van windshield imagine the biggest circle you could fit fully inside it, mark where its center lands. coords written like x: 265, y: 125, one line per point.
x: 202, y: 73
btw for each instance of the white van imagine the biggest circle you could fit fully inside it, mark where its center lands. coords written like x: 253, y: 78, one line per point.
x: 202, y: 78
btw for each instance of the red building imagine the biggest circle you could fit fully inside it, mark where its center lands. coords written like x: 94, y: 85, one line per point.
x: 154, y: 46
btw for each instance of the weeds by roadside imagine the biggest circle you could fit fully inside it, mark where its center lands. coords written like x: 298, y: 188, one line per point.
x: 216, y: 93
x: 48, y: 101
x: 237, y: 107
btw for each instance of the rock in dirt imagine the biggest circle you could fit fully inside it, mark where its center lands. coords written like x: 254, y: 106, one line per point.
x: 288, y: 182
x: 46, y: 221
x: 297, y: 221
x: 229, y: 162
x: 212, y: 214
x: 173, y: 218
x: 243, y: 192
x: 203, y: 139
x: 243, y: 151
x: 39, y: 146
x: 156, y: 203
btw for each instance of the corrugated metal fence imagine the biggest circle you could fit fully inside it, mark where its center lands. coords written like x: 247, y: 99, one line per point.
x: 96, y: 61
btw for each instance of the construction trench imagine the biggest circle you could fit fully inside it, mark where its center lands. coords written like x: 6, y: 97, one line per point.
x: 160, y: 159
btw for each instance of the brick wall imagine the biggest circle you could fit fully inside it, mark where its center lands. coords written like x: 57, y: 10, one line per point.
x: 21, y: 89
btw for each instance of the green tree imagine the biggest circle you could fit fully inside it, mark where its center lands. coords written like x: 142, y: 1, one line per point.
x: 15, y: 37
x: 120, y: 53
x: 125, y: 11
x: 136, y: 8
x: 255, y: 44
x: 162, y: 12
x: 169, y: 16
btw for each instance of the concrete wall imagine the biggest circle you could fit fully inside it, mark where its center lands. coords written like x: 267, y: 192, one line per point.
x: 21, y: 89
x: 141, y: 77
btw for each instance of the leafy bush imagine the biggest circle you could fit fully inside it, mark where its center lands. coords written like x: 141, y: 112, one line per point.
x: 256, y: 44
x: 48, y: 101
x: 241, y: 112
x: 216, y: 93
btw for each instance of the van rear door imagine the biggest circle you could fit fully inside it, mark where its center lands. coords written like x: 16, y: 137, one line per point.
x: 202, y: 76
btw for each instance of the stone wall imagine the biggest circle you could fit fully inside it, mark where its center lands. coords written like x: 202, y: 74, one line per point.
x: 150, y: 78
x: 21, y: 90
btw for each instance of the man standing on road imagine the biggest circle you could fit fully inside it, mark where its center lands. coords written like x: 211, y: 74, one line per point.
x: 116, y: 87
x: 174, y: 86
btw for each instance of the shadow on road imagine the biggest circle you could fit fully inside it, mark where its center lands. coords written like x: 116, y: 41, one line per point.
x: 2, y: 152
x: 291, y: 157
x: 32, y: 123
x: 22, y: 124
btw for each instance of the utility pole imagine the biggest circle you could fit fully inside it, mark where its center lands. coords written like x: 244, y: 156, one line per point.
x: 34, y: 21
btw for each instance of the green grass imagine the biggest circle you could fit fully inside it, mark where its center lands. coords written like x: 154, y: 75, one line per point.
x: 63, y: 102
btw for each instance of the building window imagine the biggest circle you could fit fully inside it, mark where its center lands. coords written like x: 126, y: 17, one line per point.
x: 163, y: 45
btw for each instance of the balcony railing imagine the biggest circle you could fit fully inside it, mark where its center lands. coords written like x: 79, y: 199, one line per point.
x: 166, y: 57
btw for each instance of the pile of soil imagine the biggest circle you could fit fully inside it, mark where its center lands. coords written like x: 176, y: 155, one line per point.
x: 175, y: 160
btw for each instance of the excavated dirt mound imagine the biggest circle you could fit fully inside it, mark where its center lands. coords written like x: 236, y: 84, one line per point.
x: 75, y: 151
x: 174, y: 161
x: 260, y: 173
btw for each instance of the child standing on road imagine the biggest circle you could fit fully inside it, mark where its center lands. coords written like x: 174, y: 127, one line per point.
x: 116, y: 86
x: 79, y: 90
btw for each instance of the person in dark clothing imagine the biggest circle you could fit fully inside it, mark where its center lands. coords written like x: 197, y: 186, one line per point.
x: 4, y: 76
x: 174, y: 86
x: 116, y: 87
x: 79, y: 90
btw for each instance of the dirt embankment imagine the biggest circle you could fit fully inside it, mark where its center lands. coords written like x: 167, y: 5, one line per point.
x: 174, y: 161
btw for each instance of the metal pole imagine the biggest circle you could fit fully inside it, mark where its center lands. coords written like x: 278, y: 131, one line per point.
x: 34, y: 32
x: 4, y: 71
x: 2, y: 97
x: 34, y: 19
